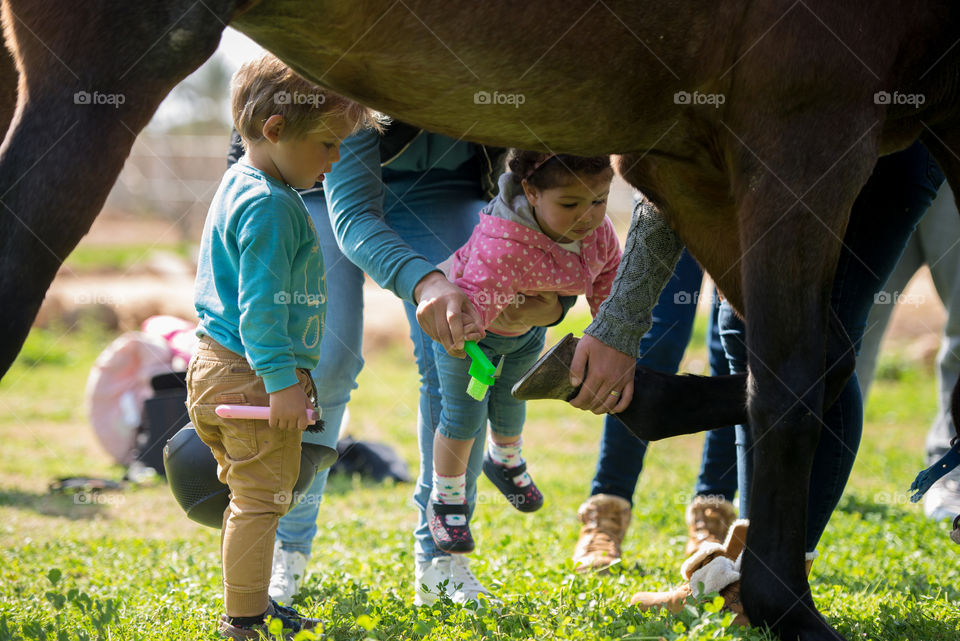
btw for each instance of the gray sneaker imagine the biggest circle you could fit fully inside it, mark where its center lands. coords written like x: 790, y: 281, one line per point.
x: 942, y: 501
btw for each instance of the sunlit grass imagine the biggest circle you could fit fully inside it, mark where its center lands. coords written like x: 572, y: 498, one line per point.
x: 131, y: 566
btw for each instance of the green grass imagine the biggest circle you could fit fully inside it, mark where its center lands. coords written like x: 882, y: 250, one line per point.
x: 87, y: 258
x: 131, y: 566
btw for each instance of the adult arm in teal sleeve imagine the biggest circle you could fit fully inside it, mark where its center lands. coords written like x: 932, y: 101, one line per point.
x: 354, y: 190
x: 267, y: 245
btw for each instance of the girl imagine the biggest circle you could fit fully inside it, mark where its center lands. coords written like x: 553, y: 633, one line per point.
x: 546, y: 233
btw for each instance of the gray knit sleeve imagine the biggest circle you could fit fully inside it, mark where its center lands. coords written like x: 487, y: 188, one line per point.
x: 649, y: 258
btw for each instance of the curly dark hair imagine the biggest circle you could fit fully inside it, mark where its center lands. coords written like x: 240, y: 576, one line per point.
x: 545, y: 171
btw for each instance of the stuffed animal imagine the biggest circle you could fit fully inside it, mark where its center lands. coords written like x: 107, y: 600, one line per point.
x: 715, y: 567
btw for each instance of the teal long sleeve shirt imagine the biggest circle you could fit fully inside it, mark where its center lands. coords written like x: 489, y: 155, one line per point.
x: 260, y: 288
x: 354, y: 190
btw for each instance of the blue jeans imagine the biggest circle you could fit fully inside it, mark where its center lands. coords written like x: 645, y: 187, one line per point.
x: 463, y: 417
x: 933, y: 244
x: 336, y: 373
x: 882, y: 219
x: 434, y: 215
x: 435, y: 220
x: 662, y: 348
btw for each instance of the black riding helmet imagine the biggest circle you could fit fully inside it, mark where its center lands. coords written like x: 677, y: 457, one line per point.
x: 192, y: 474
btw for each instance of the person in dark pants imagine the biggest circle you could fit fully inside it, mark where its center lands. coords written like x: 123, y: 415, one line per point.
x: 605, y: 516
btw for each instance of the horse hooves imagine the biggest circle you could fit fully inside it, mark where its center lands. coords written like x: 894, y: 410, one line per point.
x: 550, y: 376
x: 810, y: 627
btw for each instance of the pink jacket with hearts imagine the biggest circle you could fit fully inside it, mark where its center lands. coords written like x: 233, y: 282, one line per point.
x: 504, y: 259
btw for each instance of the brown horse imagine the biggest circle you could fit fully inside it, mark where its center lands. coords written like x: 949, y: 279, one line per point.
x: 752, y: 125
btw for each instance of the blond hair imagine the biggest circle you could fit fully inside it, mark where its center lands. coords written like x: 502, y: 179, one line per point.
x: 264, y: 87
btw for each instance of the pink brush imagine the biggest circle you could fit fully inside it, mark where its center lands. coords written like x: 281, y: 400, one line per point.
x: 255, y: 412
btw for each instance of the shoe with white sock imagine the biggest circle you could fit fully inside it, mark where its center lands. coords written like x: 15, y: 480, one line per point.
x: 289, y: 571
x: 450, y: 575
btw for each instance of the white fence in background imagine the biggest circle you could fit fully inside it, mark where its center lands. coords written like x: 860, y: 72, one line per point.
x: 172, y: 177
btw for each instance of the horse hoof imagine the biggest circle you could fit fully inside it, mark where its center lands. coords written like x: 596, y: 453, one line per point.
x: 550, y: 376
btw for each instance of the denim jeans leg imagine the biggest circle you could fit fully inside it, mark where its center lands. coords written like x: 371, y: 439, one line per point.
x: 507, y: 414
x: 434, y: 219
x: 718, y: 465
x: 336, y: 373
x: 882, y: 310
x: 462, y: 417
x: 733, y: 337
x: 621, y: 453
x: 883, y: 217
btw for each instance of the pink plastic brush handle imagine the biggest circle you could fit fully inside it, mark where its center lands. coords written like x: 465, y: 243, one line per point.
x: 253, y: 411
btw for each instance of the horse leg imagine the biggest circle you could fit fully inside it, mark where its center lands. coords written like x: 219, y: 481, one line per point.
x: 8, y: 89
x: 93, y: 74
x: 661, y: 405
x: 792, y: 238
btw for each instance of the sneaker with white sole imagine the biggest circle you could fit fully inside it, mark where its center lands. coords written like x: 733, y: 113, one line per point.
x: 289, y: 571
x: 450, y: 575
x: 942, y: 500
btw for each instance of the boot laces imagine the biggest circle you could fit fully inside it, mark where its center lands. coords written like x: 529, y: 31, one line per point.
x: 606, y: 528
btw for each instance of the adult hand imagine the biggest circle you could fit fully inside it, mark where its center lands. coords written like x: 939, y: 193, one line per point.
x: 446, y: 314
x: 538, y: 309
x: 608, y: 387
x: 288, y: 408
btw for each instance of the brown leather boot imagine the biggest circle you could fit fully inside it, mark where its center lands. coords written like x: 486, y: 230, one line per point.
x: 708, y: 519
x: 605, y: 518
x: 549, y: 377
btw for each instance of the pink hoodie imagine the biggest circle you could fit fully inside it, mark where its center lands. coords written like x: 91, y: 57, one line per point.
x: 504, y: 258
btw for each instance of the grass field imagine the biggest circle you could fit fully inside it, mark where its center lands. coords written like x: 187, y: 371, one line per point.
x: 131, y: 566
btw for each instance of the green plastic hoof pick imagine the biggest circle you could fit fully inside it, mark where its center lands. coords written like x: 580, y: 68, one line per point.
x: 482, y: 372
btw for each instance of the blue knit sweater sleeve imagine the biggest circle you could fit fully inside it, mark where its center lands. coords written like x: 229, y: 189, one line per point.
x: 267, y: 239
x: 354, y: 192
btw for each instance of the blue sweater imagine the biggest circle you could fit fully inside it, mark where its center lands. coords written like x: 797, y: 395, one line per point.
x: 354, y: 190
x: 260, y: 288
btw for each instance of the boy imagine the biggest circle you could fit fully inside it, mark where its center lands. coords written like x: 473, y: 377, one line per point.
x: 260, y: 296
